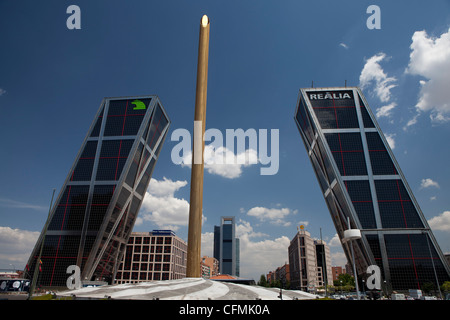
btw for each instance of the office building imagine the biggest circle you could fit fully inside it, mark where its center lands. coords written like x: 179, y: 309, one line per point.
x: 226, y: 247
x: 156, y: 255
x: 323, y: 262
x: 281, y: 273
x: 309, y: 262
x: 94, y: 213
x: 337, y: 271
x: 210, y: 267
x: 362, y: 183
x: 302, y: 261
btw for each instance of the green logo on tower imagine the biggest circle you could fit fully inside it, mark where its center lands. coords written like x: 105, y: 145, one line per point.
x: 139, y: 105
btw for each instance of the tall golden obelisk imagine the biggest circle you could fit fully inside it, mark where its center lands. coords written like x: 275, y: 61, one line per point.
x: 198, y: 146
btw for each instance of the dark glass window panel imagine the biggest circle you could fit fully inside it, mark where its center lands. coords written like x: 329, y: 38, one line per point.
x: 132, y: 125
x: 100, y: 202
x: 89, y: 150
x: 368, y: 123
x: 102, y: 194
x: 116, y: 148
x: 110, y: 169
x: 83, y: 170
x: 114, y: 126
x: 70, y: 211
x: 327, y: 162
x: 374, y: 244
x: 347, y: 152
x: 319, y: 173
x: 123, y: 119
x: 123, y: 197
x: 113, y: 156
x: 144, y: 182
x: 131, y: 176
x: 359, y: 192
x: 159, y: 122
x: 335, y: 113
x: 96, y: 130
x: 59, y: 253
x: 304, y: 121
x: 126, y: 107
x: 409, y: 257
x: 379, y: 157
x: 396, y: 207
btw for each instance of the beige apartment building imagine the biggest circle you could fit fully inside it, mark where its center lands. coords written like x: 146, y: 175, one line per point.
x: 156, y: 255
x: 309, y: 262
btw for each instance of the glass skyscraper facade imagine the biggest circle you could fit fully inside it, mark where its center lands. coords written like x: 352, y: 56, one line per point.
x: 361, y: 181
x: 96, y: 209
x: 226, y: 247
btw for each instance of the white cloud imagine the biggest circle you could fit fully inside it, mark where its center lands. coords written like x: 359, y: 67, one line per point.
x: 343, y: 45
x: 338, y: 258
x: 426, y: 183
x: 440, y: 222
x: 411, y: 122
x: 207, y: 244
x: 161, y: 207
x: 166, y: 187
x: 224, y: 162
x: 16, y: 246
x: 335, y: 242
x: 257, y: 257
x: 430, y: 58
x: 244, y: 228
x: 2, y: 91
x: 385, y: 111
x: 373, y: 74
x: 20, y: 205
x: 390, y: 139
x: 275, y: 216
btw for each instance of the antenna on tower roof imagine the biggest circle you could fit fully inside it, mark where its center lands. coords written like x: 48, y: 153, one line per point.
x: 312, y: 84
x: 346, y: 83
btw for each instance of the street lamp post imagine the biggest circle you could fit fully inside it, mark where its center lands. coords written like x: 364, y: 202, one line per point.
x: 350, y: 235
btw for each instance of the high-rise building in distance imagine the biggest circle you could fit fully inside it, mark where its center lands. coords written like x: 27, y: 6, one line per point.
x: 226, y: 247
x: 361, y: 181
x: 96, y: 209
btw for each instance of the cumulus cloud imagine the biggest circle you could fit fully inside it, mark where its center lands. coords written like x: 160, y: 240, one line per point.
x: 385, y: 111
x: 224, y: 162
x: 335, y: 242
x: 260, y: 256
x: 16, y: 246
x: 440, y: 222
x: 430, y: 58
x: 390, y: 139
x: 427, y: 183
x: 273, y: 215
x: 373, y: 76
x: 161, y: 207
x: 257, y: 257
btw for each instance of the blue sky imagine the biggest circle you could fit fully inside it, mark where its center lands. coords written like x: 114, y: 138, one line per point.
x: 53, y: 79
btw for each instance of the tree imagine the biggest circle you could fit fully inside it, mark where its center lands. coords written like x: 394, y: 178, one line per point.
x: 446, y: 286
x: 262, y: 281
x: 344, y: 279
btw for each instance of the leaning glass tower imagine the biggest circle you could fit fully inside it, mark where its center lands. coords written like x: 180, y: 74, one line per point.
x: 94, y: 214
x: 361, y: 181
